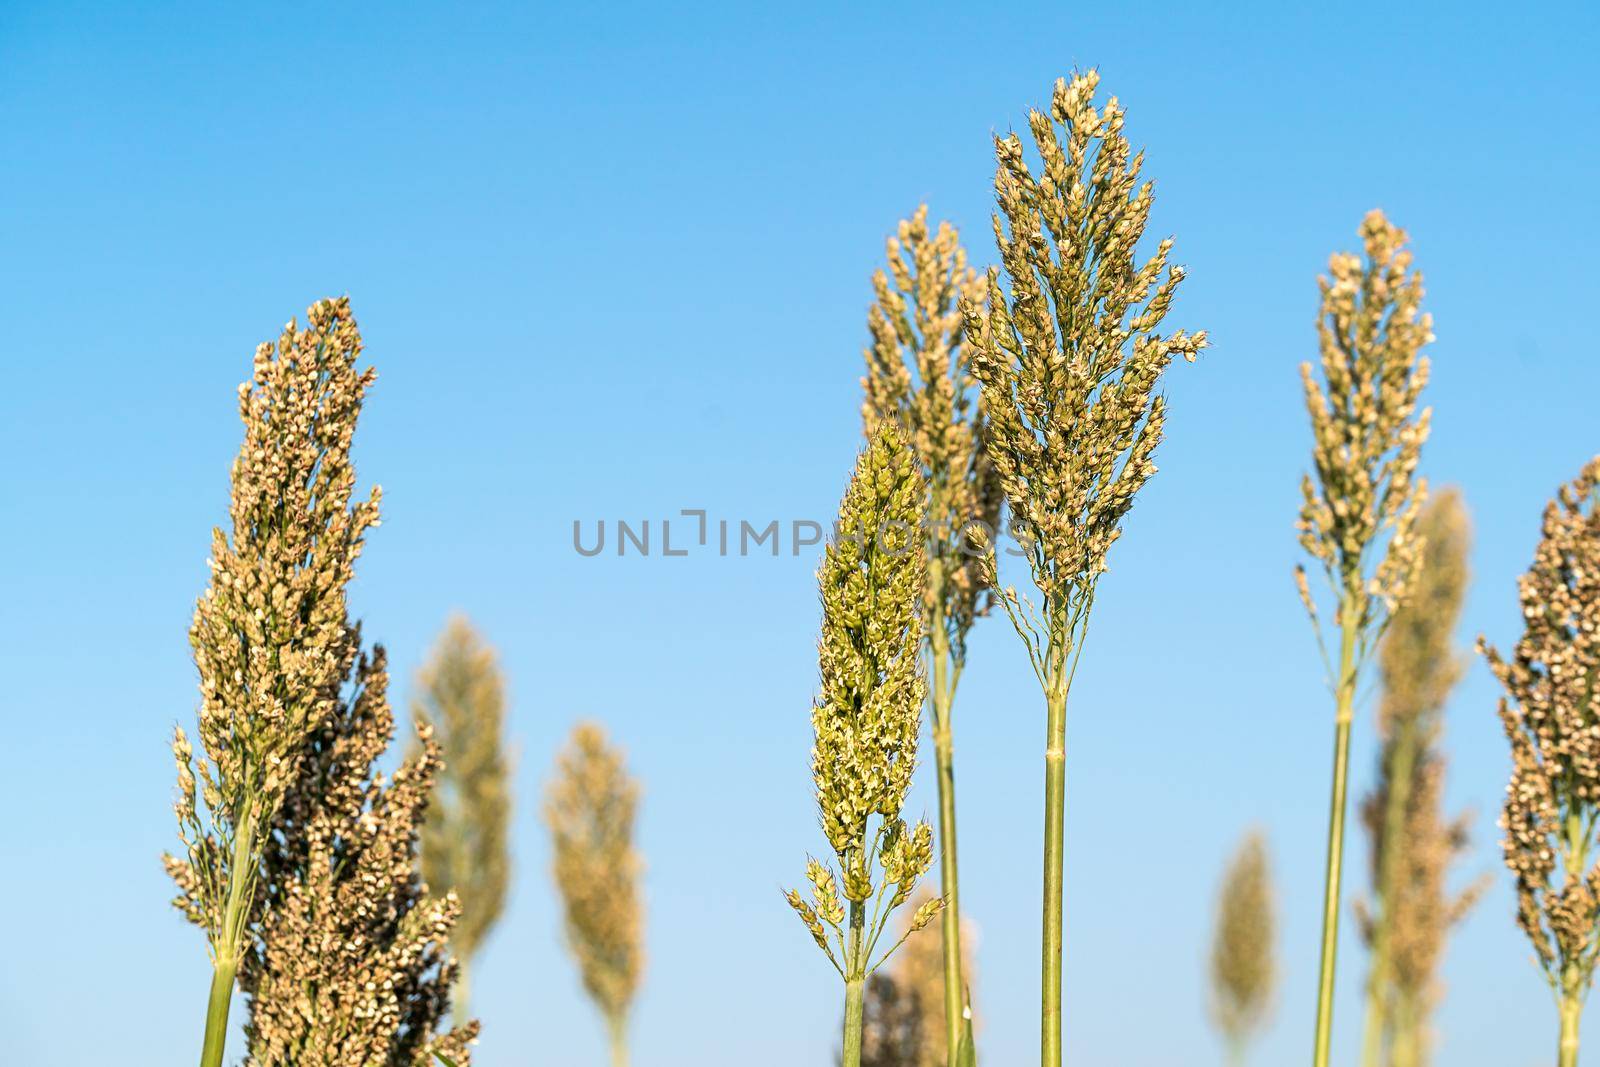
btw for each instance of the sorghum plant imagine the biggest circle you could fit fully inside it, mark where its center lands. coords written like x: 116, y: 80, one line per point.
x: 894, y: 1024
x: 918, y: 376
x: 1359, y: 515
x: 1413, y: 844
x: 460, y: 692
x: 919, y: 967
x: 866, y: 719
x: 1068, y: 362
x: 271, y: 637
x: 590, y: 807
x: 1243, y: 971
x: 353, y: 968
x: 1552, y: 809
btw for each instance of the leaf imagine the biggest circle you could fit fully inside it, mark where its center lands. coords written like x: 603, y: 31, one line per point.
x: 448, y: 1062
x: 966, y: 1052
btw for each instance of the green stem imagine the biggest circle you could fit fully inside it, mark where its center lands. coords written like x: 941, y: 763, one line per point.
x: 942, y: 697
x: 217, y: 1014
x: 230, y: 946
x: 617, y: 1030
x: 1055, y: 795
x: 855, y: 981
x: 1380, y: 1023
x: 1345, y: 711
x: 1571, y: 1016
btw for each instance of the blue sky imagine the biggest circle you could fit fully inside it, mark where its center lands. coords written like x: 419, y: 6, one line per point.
x: 612, y: 262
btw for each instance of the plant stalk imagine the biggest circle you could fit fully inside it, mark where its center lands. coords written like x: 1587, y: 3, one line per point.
x: 1345, y: 695
x: 1405, y: 1049
x: 617, y: 1030
x: 460, y: 995
x: 942, y: 696
x: 1571, y: 1016
x: 1380, y: 1021
x: 855, y: 981
x: 217, y: 1005
x: 230, y: 949
x: 1055, y: 795
x: 853, y: 998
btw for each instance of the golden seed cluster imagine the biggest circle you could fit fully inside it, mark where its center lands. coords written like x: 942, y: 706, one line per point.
x: 1244, y: 969
x: 1413, y: 909
x: 461, y: 694
x: 590, y: 808
x: 352, y: 967
x: 919, y: 375
x: 271, y: 637
x: 1070, y: 362
x: 1367, y: 429
x: 1550, y: 718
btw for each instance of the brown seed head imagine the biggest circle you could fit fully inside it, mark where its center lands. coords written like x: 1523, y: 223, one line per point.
x: 1069, y: 360
x: 460, y: 692
x: 1551, y: 720
x: 353, y: 966
x: 1243, y: 969
x: 1368, y: 432
x: 919, y: 376
x: 590, y: 808
x: 271, y: 636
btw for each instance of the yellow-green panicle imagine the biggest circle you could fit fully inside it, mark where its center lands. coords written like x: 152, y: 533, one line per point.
x: 868, y: 710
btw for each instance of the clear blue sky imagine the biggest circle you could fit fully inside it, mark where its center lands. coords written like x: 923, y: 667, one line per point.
x: 613, y: 262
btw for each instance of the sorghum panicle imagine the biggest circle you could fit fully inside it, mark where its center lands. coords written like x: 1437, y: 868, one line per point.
x: 868, y: 710
x: 1413, y: 910
x: 461, y: 693
x: 271, y: 637
x: 919, y: 375
x: 353, y: 965
x: 918, y: 969
x: 1070, y: 358
x: 1244, y: 969
x: 590, y: 808
x: 1367, y: 429
x: 1553, y: 725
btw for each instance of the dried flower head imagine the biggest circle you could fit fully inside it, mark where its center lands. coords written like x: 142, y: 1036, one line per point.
x: 918, y: 970
x: 894, y: 1024
x: 461, y: 693
x: 590, y: 807
x: 1368, y: 433
x: 1070, y: 362
x: 271, y: 636
x: 1243, y: 969
x: 919, y: 375
x: 868, y: 709
x: 353, y: 967
x: 1413, y: 909
x: 1550, y: 717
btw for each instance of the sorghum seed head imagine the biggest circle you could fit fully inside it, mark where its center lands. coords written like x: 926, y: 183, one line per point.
x: 1553, y: 726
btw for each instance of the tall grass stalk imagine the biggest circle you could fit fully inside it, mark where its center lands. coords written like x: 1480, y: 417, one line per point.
x: 866, y: 719
x: 1359, y: 513
x: 590, y: 807
x: 461, y: 694
x: 271, y: 637
x: 1068, y: 361
x: 1551, y: 719
x: 918, y: 376
x: 1243, y: 968
x: 1413, y: 844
